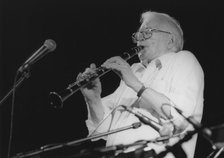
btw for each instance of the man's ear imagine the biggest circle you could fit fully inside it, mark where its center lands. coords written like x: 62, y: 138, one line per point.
x: 171, y: 43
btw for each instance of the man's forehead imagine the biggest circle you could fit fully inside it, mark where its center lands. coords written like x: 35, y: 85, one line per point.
x: 149, y: 24
x: 155, y: 23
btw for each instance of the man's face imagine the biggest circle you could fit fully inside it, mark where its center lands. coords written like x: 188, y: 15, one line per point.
x: 154, y: 46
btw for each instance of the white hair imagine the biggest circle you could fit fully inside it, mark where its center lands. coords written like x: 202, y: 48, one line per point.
x: 167, y: 21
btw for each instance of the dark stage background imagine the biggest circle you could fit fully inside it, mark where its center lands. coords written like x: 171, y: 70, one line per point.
x: 87, y: 32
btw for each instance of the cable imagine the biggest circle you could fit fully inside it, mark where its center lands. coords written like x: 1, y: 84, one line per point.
x: 103, y: 120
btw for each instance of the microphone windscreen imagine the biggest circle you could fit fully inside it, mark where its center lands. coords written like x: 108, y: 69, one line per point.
x: 50, y: 44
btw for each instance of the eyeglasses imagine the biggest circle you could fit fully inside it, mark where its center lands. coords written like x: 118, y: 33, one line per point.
x: 145, y: 34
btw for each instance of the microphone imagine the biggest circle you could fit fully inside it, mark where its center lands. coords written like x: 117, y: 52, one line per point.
x: 48, y: 46
x: 197, y: 125
x: 144, y: 119
x: 205, y: 131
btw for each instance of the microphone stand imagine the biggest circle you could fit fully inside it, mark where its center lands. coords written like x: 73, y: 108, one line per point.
x: 177, y: 147
x: 198, y: 128
x: 76, y: 142
x: 215, y: 153
x: 218, y: 147
x: 25, y: 74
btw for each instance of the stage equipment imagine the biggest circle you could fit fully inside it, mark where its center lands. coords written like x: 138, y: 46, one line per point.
x: 217, y: 138
x: 48, y: 148
x: 48, y: 46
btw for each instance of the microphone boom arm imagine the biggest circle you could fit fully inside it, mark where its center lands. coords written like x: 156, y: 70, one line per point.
x: 75, y: 142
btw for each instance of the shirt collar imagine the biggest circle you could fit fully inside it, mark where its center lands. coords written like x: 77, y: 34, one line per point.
x: 162, y: 60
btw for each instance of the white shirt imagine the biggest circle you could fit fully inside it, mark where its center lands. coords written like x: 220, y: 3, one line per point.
x: 178, y: 76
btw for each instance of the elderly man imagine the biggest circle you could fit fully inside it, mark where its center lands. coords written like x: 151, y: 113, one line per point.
x: 165, y: 77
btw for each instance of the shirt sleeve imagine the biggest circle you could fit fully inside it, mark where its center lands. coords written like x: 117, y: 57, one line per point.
x: 109, y: 103
x: 187, y: 86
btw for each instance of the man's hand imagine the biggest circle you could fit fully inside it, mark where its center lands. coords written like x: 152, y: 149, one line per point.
x: 167, y: 129
x: 123, y: 69
x: 93, y: 89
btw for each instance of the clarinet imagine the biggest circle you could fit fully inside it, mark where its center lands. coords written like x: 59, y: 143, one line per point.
x: 57, y: 98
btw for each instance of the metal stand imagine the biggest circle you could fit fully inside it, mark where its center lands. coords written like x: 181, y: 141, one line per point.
x: 216, y: 153
x: 47, y: 148
x: 24, y: 76
x: 218, y: 141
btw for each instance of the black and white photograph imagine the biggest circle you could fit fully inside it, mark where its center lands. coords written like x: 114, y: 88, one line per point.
x: 111, y: 79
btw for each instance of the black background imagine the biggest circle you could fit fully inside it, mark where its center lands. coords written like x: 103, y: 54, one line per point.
x: 87, y: 32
